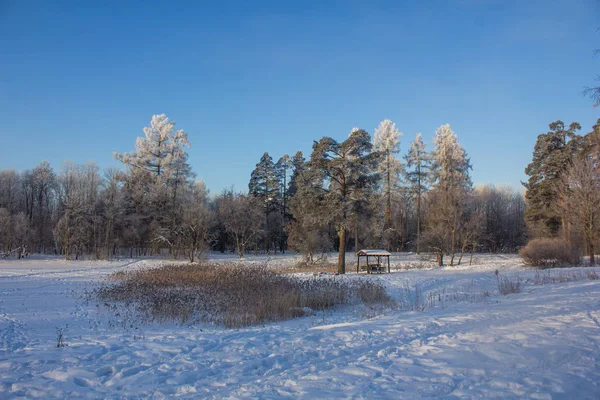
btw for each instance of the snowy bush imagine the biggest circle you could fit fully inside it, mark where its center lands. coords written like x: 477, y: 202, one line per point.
x: 549, y: 253
x: 233, y: 295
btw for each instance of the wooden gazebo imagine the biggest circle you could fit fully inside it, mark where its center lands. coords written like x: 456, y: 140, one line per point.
x: 376, y: 261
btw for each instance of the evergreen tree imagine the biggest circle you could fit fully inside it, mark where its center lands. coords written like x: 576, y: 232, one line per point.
x: 297, y: 164
x: 348, y: 167
x: 552, y: 153
x: 264, y: 186
x: 418, y: 163
x: 282, y: 169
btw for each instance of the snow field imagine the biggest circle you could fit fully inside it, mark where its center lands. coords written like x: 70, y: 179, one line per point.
x: 541, y: 343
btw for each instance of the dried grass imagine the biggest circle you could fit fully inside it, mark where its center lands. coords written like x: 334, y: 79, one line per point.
x: 548, y: 277
x: 233, y: 295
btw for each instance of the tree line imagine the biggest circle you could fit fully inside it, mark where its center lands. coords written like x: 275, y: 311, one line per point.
x: 348, y: 194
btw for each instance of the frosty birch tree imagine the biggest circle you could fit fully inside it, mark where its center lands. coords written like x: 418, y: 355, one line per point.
x: 348, y: 167
x: 418, y: 162
x: 387, y: 142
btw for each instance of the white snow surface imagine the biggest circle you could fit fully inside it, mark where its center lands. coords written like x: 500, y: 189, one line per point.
x: 542, y: 343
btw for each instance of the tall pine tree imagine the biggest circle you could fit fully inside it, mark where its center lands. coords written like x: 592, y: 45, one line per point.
x: 348, y: 167
x: 552, y: 153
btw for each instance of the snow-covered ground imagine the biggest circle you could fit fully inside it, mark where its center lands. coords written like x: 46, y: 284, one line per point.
x: 542, y: 343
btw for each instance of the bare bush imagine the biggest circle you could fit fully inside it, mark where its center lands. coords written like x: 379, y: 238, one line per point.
x: 549, y: 253
x: 508, y: 284
x: 232, y: 295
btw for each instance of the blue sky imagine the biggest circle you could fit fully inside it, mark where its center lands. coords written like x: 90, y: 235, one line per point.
x: 79, y: 80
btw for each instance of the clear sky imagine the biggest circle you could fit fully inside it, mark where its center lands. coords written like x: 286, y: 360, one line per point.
x: 80, y: 79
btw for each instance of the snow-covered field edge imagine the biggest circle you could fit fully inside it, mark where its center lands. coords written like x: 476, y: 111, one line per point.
x: 541, y: 343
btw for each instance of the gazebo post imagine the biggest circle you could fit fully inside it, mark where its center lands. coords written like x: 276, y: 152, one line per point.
x: 357, y: 262
x: 388, y: 257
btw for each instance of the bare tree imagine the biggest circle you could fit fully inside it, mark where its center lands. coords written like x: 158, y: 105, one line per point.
x: 241, y: 216
x: 197, y: 220
x: 579, y: 192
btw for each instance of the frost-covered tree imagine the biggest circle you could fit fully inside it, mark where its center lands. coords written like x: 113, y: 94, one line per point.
x: 418, y: 162
x: 157, y: 172
x: 348, y: 168
x: 387, y: 142
x: 447, y: 211
x: 161, y: 151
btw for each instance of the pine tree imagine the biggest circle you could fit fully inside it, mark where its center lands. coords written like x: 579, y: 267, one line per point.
x: 264, y: 186
x: 297, y: 164
x: 348, y: 167
x: 282, y: 169
x: 552, y: 154
x: 387, y: 142
x: 418, y: 163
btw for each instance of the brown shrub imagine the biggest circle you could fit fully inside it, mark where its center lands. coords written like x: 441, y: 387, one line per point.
x: 549, y: 253
x: 232, y: 295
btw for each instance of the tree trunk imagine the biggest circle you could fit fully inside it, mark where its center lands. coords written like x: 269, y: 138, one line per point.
x: 419, y: 217
x: 342, y: 251
x: 356, y: 235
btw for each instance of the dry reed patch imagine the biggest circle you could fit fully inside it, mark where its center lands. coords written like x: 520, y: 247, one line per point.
x: 316, y: 268
x: 233, y: 295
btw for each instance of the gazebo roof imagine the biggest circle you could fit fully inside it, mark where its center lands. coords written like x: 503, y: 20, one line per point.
x: 369, y: 252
